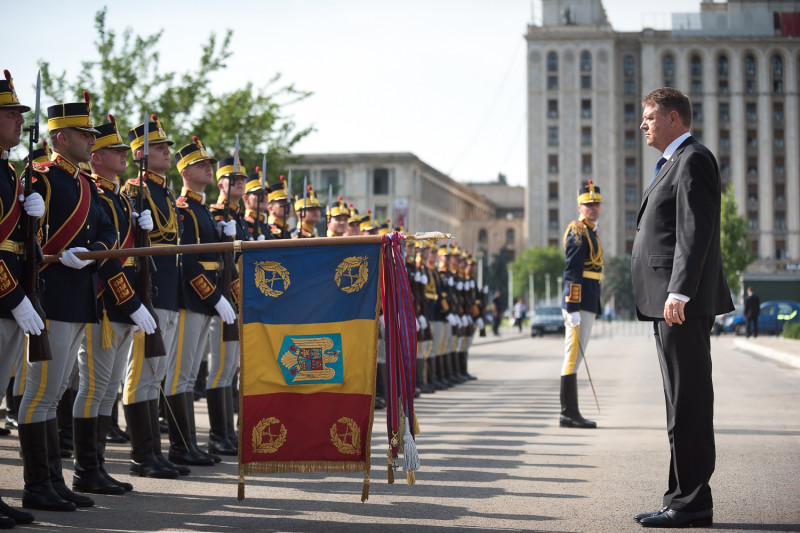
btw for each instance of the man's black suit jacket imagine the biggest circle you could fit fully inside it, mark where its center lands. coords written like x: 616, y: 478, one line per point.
x: 677, y: 247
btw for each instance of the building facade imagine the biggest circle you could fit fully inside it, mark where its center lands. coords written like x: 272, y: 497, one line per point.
x: 739, y: 62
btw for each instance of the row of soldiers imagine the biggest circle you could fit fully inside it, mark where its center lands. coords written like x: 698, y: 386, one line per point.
x: 97, y: 320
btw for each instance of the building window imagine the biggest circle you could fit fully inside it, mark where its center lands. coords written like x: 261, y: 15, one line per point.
x: 724, y: 139
x: 696, y: 67
x: 552, y: 62
x: 552, y: 136
x: 752, y: 166
x: 552, y: 218
x: 723, y: 86
x: 752, y: 192
x: 552, y: 83
x: 777, y: 111
x: 750, y: 86
x: 668, y: 69
x: 752, y: 139
x: 750, y: 65
x: 777, y: 66
x: 630, y: 166
x: 630, y: 194
x: 552, y: 190
x: 329, y: 177
x: 586, y: 108
x: 725, y: 166
x: 697, y: 112
x: 777, y: 139
x: 777, y: 86
x: 698, y: 134
x: 724, y: 112
x: 722, y: 66
x: 630, y: 219
x: 780, y: 253
x: 696, y: 87
x: 483, y: 236
x: 380, y: 182
x: 586, y: 61
x: 630, y: 139
x: 628, y: 66
x: 750, y: 111
x: 629, y: 87
x: 586, y: 82
x: 586, y: 136
x: 510, y: 236
x: 780, y: 192
x: 552, y: 163
x: 586, y: 163
x: 630, y: 113
x: 552, y: 108
x: 780, y: 220
x: 752, y: 220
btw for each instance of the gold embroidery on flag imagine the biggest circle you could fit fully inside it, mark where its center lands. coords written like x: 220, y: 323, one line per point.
x: 274, y: 440
x: 268, y: 274
x: 354, y: 281
x: 351, y: 433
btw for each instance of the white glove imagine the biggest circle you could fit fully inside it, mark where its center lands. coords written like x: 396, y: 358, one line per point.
x: 572, y: 320
x: 479, y: 323
x: 228, y: 229
x: 144, y: 320
x: 68, y: 258
x: 417, y: 321
x: 225, y: 311
x: 34, y: 205
x: 464, y: 321
x: 452, y: 319
x: 424, y: 279
x: 460, y: 286
x: 144, y: 220
x: 27, y: 317
x: 423, y: 322
x: 261, y: 237
x: 450, y: 282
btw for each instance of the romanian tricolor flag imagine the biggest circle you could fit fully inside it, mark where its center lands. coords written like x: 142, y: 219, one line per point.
x: 309, y: 336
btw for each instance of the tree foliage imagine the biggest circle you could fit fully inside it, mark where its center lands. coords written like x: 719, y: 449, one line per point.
x: 736, y: 251
x: 617, y: 284
x: 541, y: 261
x: 126, y: 80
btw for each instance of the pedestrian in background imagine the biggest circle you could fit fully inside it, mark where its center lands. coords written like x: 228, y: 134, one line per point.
x: 497, y: 312
x: 520, y: 312
x: 752, y: 308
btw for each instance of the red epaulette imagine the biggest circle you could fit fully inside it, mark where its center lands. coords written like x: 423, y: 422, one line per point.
x: 42, y: 168
x: 182, y: 202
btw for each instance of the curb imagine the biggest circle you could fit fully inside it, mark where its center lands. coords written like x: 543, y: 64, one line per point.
x: 785, y: 357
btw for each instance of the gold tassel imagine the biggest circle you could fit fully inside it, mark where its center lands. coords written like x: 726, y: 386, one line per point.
x: 106, y: 333
x: 240, y: 492
x: 410, y: 478
x: 416, y: 424
x: 389, y: 465
x: 365, y: 488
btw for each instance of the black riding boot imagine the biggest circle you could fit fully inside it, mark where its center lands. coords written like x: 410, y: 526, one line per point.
x: 38, y: 492
x: 103, y: 422
x: 143, y: 460
x: 230, y: 407
x: 56, y: 473
x: 217, y: 416
x: 155, y: 433
x: 87, y: 476
x: 180, y: 436
x: 570, y: 415
x: 193, y: 430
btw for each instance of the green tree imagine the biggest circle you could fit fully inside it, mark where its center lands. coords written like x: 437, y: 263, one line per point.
x: 541, y: 260
x: 736, y: 251
x: 126, y: 81
x: 617, y: 284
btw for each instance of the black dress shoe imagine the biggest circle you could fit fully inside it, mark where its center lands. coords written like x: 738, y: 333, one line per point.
x: 640, y: 516
x: 673, y: 518
x: 19, y: 517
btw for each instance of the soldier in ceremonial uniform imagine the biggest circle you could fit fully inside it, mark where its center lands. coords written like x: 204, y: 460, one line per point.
x: 453, y: 326
x: 309, y: 212
x: 224, y: 355
x: 353, y: 222
x: 338, y: 216
x: 255, y: 207
x: 279, y: 209
x: 367, y: 225
x: 74, y: 221
x: 583, y: 274
x: 202, y: 301
x: 104, y: 353
x: 436, y: 297
x: 416, y: 276
x: 143, y: 375
x: 17, y: 315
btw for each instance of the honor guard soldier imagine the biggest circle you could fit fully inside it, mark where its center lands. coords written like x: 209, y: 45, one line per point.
x: 144, y: 374
x: 413, y: 268
x: 583, y: 274
x: 279, y: 209
x: 224, y: 355
x: 17, y: 314
x: 338, y: 216
x: 309, y: 213
x: 471, y: 310
x: 353, y: 222
x: 429, y: 294
x: 74, y: 221
x: 444, y: 357
x: 103, y: 356
x: 202, y: 300
x: 436, y: 296
x: 366, y: 225
x: 255, y: 207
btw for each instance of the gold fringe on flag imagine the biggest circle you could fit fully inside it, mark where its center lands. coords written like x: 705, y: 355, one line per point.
x: 240, y: 492
x: 365, y: 488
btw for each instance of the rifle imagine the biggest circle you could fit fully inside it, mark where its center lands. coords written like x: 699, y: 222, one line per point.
x: 154, y: 342
x: 230, y: 332
x: 263, y: 180
x: 39, y: 347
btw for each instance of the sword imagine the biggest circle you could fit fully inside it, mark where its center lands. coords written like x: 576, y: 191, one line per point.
x: 575, y: 333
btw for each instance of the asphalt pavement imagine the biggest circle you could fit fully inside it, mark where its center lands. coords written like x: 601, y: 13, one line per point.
x: 493, y: 457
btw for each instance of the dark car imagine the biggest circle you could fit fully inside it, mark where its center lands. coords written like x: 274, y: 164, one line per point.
x: 547, y: 320
x: 774, y: 315
x: 719, y: 321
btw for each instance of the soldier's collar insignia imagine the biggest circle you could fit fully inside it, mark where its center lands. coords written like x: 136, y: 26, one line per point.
x: 158, y: 179
x: 66, y: 164
x: 197, y: 197
x: 110, y: 185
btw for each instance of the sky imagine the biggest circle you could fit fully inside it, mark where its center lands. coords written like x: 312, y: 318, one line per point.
x: 442, y: 79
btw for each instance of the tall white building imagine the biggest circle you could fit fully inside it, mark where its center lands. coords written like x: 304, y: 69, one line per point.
x: 739, y: 62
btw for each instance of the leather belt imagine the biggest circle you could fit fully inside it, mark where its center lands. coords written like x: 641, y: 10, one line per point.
x: 211, y: 265
x: 593, y: 275
x: 129, y: 262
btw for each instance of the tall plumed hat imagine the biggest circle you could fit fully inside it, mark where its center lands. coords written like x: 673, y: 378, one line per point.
x: 194, y: 152
x: 155, y: 134
x: 76, y: 115
x: 589, y: 194
x: 108, y: 136
x: 8, y: 96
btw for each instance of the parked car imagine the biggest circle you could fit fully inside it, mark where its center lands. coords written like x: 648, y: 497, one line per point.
x: 774, y: 315
x: 547, y: 320
x: 719, y: 321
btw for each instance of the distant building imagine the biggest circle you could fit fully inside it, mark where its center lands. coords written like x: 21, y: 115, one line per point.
x: 739, y: 62
x: 506, y: 231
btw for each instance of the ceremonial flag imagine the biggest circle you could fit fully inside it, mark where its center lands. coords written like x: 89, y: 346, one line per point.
x: 308, y: 357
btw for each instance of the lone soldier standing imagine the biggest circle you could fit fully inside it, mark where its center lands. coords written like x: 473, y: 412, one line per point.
x: 17, y: 315
x: 583, y: 274
x: 74, y: 221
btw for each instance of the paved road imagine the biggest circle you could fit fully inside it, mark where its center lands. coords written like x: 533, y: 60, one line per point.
x: 494, y: 459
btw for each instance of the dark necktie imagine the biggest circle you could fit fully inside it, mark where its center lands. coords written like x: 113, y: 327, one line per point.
x: 659, y: 164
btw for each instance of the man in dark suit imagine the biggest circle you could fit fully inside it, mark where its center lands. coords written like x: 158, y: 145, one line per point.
x: 678, y: 284
x: 752, y: 308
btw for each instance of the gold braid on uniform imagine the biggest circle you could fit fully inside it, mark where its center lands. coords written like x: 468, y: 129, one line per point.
x: 167, y: 226
x: 594, y: 261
